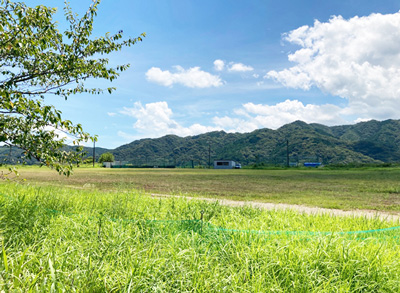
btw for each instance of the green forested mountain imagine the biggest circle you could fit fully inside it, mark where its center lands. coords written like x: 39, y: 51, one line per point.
x: 366, y: 142
x: 15, y: 155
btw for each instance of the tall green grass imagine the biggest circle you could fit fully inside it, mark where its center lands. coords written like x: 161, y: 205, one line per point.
x: 59, y: 239
x: 373, y: 189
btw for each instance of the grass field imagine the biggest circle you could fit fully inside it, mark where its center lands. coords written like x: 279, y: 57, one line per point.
x: 57, y: 239
x: 374, y: 189
x: 100, y: 231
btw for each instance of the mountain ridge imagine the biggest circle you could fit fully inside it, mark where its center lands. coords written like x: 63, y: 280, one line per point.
x: 365, y: 142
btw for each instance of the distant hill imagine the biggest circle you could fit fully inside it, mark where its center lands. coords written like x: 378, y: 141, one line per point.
x: 15, y: 155
x: 365, y: 142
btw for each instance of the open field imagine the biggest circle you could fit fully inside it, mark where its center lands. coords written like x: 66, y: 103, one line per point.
x: 372, y: 189
x: 101, y: 231
x: 56, y: 239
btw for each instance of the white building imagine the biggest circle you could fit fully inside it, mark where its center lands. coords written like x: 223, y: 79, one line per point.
x: 107, y: 164
x: 116, y: 164
x: 226, y: 164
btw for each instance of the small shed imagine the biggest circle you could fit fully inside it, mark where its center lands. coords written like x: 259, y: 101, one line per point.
x: 224, y: 164
x: 107, y: 164
x: 115, y: 164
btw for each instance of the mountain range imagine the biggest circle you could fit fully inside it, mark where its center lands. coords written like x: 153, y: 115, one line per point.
x: 365, y: 142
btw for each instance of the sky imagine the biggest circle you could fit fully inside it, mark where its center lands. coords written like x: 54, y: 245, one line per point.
x: 238, y: 66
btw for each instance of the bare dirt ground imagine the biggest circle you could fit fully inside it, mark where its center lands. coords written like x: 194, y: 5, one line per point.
x: 300, y: 208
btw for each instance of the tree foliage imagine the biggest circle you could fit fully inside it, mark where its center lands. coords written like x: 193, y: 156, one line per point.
x: 36, y: 60
x: 106, y: 157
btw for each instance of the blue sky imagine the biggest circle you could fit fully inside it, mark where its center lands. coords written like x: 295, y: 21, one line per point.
x: 241, y: 65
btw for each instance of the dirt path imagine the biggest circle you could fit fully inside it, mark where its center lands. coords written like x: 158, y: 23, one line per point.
x: 300, y: 208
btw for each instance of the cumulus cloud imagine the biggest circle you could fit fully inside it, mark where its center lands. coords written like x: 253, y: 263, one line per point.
x: 155, y: 120
x: 219, y: 65
x: 192, y: 77
x: 357, y: 59
x: 240, y: 67
x: 254, y: 116
x: 291, y: 110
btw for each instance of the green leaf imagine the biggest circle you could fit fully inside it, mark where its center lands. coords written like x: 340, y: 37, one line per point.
x: 38, y: 62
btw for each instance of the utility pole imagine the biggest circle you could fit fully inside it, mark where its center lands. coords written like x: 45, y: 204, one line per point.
x: 94, y: 152
x: 209, y: 154
x: 287, y: 153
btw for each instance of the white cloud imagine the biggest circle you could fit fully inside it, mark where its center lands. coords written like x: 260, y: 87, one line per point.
x: 291, y: 110
x: 127, y: 136
x: 65, y: 136
x: 219, y: 65
x: 240, y: 67
x: 111, y: 114
x: 192, y: 77
x: 254, y: 116
x: 60, y: 134
x: 155, y: 120
x: 230, y: 124
x: 357, y: 59
x: 362, y: 120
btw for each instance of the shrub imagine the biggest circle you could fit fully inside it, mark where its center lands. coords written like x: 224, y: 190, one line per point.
x: 106, y: 157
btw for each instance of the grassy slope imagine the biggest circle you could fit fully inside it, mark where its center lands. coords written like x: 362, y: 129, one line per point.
x: 376, y: 189
x: 63, y: 239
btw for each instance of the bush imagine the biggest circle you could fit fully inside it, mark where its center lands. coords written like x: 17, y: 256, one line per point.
x: 106, y: 157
